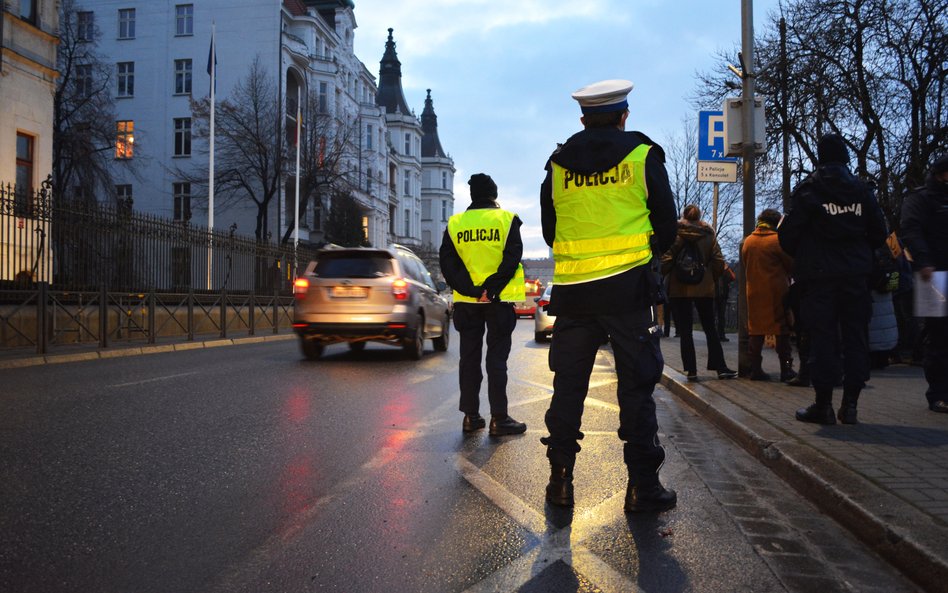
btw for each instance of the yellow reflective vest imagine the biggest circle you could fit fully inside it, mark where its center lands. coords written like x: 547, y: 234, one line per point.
x: 479, y: 236
x: 602, y: 224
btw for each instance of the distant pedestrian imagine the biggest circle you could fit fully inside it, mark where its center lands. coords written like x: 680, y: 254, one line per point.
x: 697, y: 249
x: 480, y: 259
x: 767, y: 270
x: 722, y: 292
x: 604, y: 202
x: 832, y: 227
x: 883, y: 326
x: 925, y: 235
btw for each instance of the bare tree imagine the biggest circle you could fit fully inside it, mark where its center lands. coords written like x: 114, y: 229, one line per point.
x: 872, y: 70
x: 83, y: 112
x: 345, y: 222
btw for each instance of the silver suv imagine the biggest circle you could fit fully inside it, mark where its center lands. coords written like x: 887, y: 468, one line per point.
x: 361, y: 294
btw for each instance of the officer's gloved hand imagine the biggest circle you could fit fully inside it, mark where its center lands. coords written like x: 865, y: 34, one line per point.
x: 493, y: 285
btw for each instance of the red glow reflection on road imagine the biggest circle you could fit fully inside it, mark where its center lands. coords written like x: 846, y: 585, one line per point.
x: 297, y: 479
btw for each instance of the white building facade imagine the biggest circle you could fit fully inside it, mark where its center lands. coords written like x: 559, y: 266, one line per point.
x: 160, y: 51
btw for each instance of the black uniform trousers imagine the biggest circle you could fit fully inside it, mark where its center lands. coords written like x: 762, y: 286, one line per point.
x: 935, y: 359
x: 836, y: 312
x: 471, y: 319
x: 639, y: 363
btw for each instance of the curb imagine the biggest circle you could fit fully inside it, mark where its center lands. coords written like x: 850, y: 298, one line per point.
x: 139, y: 350
x: 897, y: 531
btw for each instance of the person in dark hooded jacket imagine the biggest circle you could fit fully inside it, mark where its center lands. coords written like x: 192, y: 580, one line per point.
x: 925, y: 235
x: 831, y: 230
x: 700, y: 296
x: 606, y: 205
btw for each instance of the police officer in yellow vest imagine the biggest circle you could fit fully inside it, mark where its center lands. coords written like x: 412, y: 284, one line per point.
x: 606, y: 207
x: 480, y: 259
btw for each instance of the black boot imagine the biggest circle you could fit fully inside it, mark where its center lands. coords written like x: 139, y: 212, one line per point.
x: 820, y: 412
x: 648, y: 496
x: 847, y: 408
x: 787, y: 373
x: 559, y: 491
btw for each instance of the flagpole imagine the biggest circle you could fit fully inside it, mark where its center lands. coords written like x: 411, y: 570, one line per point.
x: 296, y: 210
x: 212, y: 60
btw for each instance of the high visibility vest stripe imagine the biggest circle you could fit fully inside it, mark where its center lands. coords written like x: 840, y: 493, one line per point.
x: 479, y: 236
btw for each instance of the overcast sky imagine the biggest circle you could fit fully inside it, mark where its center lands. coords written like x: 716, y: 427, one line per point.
x: 501, y: 74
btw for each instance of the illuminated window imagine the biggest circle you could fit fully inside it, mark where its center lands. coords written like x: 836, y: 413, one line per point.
x: 126, y: 23
x: 182, y: 77
x: 124, y: 139
x: 126, y: 79
x: 182, y: 136
x: 184, y: 19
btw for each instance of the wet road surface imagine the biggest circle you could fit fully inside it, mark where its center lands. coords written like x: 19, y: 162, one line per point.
x: 247, y: 468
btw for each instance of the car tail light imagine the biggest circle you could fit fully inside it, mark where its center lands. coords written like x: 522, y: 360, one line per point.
x: 400, y: 289
x: 300, y: 286
x: 543, y: 303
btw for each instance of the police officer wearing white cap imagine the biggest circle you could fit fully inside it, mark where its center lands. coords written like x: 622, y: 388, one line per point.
x: 606, y: 207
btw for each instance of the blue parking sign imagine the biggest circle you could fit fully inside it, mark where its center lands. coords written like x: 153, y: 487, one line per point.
x: 711, y: 136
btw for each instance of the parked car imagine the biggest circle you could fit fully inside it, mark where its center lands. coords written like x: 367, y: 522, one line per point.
x: 358, y: 295
x: 527, y: 307
x: 543, y: 321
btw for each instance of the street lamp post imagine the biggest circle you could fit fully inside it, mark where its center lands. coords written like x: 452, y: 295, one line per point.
x: 748, y: 154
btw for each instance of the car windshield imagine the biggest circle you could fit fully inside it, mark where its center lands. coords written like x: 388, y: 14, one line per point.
x: 367, y: 265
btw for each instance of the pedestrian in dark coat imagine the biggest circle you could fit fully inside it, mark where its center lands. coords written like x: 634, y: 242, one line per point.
x: 833, y: 225
x: 683, y: 296
x: 925, y: 235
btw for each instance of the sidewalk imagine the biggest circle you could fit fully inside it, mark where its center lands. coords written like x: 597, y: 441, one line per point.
x: 885, y: 479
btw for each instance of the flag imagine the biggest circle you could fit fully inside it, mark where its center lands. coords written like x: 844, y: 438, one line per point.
x: 212, y: 60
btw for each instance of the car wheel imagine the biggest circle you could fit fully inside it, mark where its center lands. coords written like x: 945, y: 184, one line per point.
x: 414, y: 345
x: 312, y: 349
x: 539, y: 336
x: 442, y: 341
x: 357, y: 346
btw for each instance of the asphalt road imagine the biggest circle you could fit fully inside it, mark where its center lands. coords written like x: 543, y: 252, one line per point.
x: 249, y: 469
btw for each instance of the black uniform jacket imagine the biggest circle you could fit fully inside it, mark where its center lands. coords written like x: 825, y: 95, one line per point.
x: 925, y: 225
x: 456, y: 274
x: 833, y: 225
x: 597, y: 150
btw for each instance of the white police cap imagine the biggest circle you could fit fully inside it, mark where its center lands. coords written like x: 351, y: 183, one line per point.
x: 604, y: 96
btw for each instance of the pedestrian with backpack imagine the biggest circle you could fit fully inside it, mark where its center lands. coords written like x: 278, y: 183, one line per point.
x: 693, y: 265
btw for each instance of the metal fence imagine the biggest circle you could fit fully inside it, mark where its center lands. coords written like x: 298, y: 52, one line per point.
x: 94, y: 273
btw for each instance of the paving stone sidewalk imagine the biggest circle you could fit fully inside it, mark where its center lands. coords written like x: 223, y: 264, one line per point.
x: 885, y: 479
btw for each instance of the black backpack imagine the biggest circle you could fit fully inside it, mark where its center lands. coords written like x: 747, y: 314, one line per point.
x: 689, y: 265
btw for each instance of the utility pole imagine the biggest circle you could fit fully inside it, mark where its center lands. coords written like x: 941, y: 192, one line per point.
x: 784, y: 111
x: 749, y: 155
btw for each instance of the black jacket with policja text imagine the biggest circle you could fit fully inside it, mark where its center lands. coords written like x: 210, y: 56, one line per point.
x: 833, y: 225
x: 597, y: 150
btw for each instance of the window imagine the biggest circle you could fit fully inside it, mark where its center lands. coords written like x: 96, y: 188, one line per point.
x: 28, y: 10
x: 444, y: 210
x: 126, y: 23
x: 444, y: 180
x: 23, y: 198
x: 426, y: 237
x: 323, y: 97
x: 124, y: 139
x: 85, y: 26
x: 368, y: 137
x: 407, y: 184
x: 184, y: 19
x: 407, y: 222
x: 182, y: 77
x: 126, y: 79
x: 368, y: 180
x: 407, y: 144
x: 426, y: 209
x: 83, y: 80
x: 182, y: 136
x: 123, y: 195
x: 182, y: 200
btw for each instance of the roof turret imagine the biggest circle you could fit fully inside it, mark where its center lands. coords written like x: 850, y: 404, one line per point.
x: 390, y: 95
x: 430, y: 144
